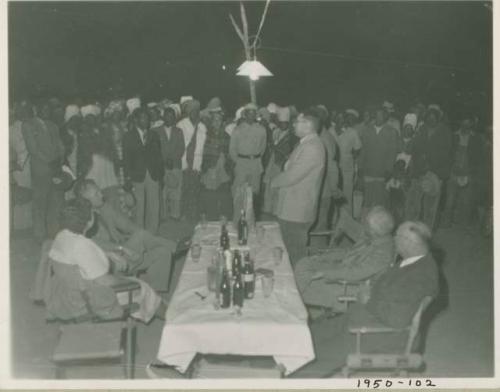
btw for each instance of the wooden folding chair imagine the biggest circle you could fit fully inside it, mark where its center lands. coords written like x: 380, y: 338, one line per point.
x: 89, y: 340
x: 398, y: 363
x: 343, y: 225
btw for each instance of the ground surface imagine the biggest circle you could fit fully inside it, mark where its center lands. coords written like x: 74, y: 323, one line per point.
x: 459, y: 339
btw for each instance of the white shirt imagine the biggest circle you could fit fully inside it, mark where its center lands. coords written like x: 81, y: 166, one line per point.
x: 378, y: 129
x: 187, y: 129
x: 307, y: 137
x: 76, y: 249
x: 410, y: 260
x: 168, y: 131
x: 142, y: 135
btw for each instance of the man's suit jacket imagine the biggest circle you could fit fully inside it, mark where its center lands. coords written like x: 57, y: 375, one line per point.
x: 139, y: 157
x: 44, y: 145
x: 172, y: 149
x: 300, y: 182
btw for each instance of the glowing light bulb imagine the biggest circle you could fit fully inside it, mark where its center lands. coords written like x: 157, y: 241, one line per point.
x: 224, y: 67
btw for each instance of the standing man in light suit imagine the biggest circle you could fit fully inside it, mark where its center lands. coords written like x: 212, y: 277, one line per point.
x: 299, y: 186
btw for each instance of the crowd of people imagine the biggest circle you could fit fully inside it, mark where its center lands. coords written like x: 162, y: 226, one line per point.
x: 104, y: 177
x: 169, y: 160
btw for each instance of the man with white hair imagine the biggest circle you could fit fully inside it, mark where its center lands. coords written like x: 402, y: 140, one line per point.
x: 247, y: 145
x: 371, y: 254
x: 391, y: 301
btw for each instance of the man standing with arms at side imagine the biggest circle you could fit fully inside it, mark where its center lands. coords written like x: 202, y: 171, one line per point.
x: 143, y: 166
x: 247, y: 145
x: 46, y: 151
x: 381, y: 144
x: 172, y: 149
x: 299, y: 186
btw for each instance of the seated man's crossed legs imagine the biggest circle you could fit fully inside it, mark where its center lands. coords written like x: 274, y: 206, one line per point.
x: 315, y: 290
x: 154, y: 256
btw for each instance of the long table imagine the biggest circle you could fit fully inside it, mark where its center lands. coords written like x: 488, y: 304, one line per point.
x: 274, y: 326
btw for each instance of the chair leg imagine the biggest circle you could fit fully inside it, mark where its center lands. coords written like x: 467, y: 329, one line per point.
x: 60, y: 372
x: 130, y: 350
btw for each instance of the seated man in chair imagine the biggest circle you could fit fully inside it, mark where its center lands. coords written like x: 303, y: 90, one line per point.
x: 391, y: 302
x: 371, y: 254
x: 113, y: 230
x: 84, y: 275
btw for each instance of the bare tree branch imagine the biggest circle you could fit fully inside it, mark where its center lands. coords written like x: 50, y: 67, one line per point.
x: 238, y: 30
x: 244, y: 20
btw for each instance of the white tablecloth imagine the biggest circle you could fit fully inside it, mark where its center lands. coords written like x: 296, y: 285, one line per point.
x: 274, y: 326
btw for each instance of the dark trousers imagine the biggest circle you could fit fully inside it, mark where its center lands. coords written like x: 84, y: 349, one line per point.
x: 333, y: 342
x: 218, y: 202
x: 295, y: 238
x: 47, y: 203
x: 190, y: 200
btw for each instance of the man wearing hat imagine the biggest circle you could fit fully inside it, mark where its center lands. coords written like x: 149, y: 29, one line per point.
x: 381, y: 144
x: 429, y: 167
x: 46, y: 151
x: 283, y: 142
x: 467, y: 153
x: 71, y: 135
x: 195, y: 133
x: 172, y: 150
x: 349, y: 142
x: 248, y: 143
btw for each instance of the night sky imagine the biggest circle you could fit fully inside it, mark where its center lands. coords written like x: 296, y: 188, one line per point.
x: 336, y: 53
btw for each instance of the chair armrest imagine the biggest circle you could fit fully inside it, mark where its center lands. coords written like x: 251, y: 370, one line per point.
x: 125, y: 285
x: 321, y: 233
x: 344, y: 282
x: 364, y: 330
x: 347, y: 299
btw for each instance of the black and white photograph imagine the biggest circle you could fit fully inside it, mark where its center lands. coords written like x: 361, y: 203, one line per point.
x: 282, y: 192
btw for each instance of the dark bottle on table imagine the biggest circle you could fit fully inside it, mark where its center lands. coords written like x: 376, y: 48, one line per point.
x: 223, y: 238
x: 225, y: 291
x: 238, y: 291
x: 242, y: 229
x: 236, y: 265
x: 248, y: 278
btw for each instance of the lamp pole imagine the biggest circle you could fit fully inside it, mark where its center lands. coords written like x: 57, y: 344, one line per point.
x: 243, y: 34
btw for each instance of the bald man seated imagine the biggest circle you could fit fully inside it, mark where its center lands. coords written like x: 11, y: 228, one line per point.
x: 372, y: 253
x: 391, y: 301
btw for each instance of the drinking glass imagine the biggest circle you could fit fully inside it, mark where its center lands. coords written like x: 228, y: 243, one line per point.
x: 267, y: 285
x: 277, y: 253
x: 261, y: 233
x: 211, y: 277
x: 196, y: 252
x: 203, y: 221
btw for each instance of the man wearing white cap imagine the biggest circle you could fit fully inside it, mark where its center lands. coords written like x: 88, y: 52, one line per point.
x: 172, y: 149
x: 349, y: 142
x: 248, y: 143
x: 71, y: 135
x: 195, y: 133
x: 46, y: 151
x: 283, y: 143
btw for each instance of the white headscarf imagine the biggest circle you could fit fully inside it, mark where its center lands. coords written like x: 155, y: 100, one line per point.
x: 132, y: 104
x: 90, y: 109
x: 71, y: 111
x: 411, y: 119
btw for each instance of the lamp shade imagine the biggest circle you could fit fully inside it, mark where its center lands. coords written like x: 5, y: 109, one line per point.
x: 253, y: 69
